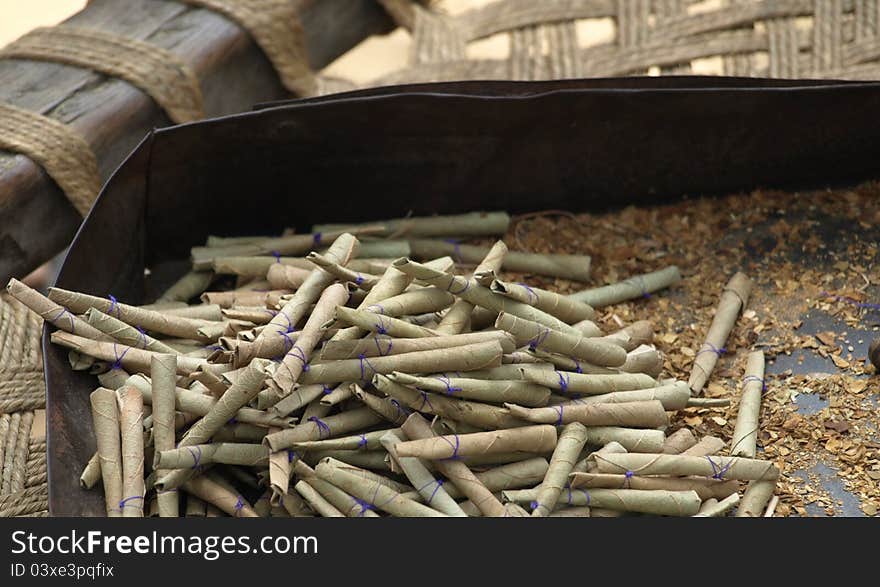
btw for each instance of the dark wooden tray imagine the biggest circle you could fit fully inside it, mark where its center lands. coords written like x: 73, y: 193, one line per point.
x: 446, y: 148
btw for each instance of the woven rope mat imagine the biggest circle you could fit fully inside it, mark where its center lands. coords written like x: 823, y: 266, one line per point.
x: 23, y: 482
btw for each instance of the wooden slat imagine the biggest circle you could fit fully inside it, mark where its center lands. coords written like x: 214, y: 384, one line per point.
x: 36, y: 220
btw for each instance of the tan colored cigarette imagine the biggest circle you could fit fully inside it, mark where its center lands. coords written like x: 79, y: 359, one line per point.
x: 128, y: 335
x: 646, y: 414
x: 164, y: 373
x: 734, y: 298
x: 705, y: 488
x: 593, y: 350
x: 132, y: 447
x: 572, y: 439
x: 53, y: 313
x: 316, y: 428
x: 745, y: 433
x: 568, y: 310
x: 527, y: 439
x: 484, y: 390
x: 569, y: 382
x: 715, y: 467
x: 629, y: 289
x: 105, y: 415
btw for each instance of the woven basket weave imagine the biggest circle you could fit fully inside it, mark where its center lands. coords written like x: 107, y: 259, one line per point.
x: 543, y: 40
x: 23, y: 485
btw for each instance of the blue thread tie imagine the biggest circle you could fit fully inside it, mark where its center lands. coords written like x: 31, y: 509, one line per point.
x: 380, y: 326
x: 114, y: 305
x: 364, y: 365
x: 239, y: 505
x: 364, y: 505
x: 712, y: 349
x: 539, y: 339
x: 143, y: 336
x: 359, y: 279
x: 62, y: 313
x: 298, y: 353
x: 387, y: 351
x: 402, y: 412
x: 323, y: 428
x: 559, y: 419
x: 463, y: 289
x: 362, y: 441
x: 117, y: 364
x: 277, y: 256
x: 564, y: 381
x: 718, y: 471
x: 455, y: 448
x: 124, y: 503
x: 326, y: 389
x: 426, y: 401
x: 748, y: 378
x: 456, y: 250
x: 438, y: 482
x: 316, y: 239
x: 533, y: 297
x: 291, y: 456
x: 445, y: 380
x: 577, y: 366
x: 196, y: 455
x: 628, y: 477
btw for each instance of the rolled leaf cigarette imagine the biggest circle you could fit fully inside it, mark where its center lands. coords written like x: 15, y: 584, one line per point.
x: 678, y: 442
x: 647, y: 414
x: 537, y: 335
x: 316, y: 501
x: 91, y: 472
x: 632, y: 439
x: 379, y: 345
x: 745, y: 433
x: 713, y: 508
x: 318, y: 428
x: 127, y: 335
x: 705, y: 488
x: 507, y: 372
x: 518, y: 357
x: 568, y: 382
x: 383, y: 249
x: 350, y: 506
x: 589, y: 329
x: 734, y: 298
x: 216, y: 494
x: 457, y: 472
x: 210, y: 312
x: 296, y: 360
x: 644, y: 359
x: 253, y: 314
x: 673, y: 396
x: 132, y: 446
x: 191, y: 457
x: 132, y: 315
x: 574, y: 267
x: 299, y: 397
x: 272, y: 341
x: 282, y: 276
x: 572, y: 439
x: 476, y: 414
x: 52, y: 312
x: 465, y: 358
x: 528, y: 439
x: 755, y: 498
x: 458, y: 318
x: 715, y: 467
x: 658, y: 502
x: 374, y: 495
x: 473, y: 292
x: 363, y: 441
x: 195, y: 507
x: 240, y: 432
x: 105, y: 415
x: 568, y: 310
x: 237, y: 396
x: 524, y: 473
x: 629, y: 289
x: 200, y: 404
x: 569, y: 364
x: 341, y: 393
x: 373, y: 460
x: 708, y: 445
x: 431, y: 489
x: 389, y: 408
x: 190, y: 285
x: 344, y: 274
x: 633, y: 336
x: 379, y: 324
x: 164, y: 373
x: 294, y: 244
x: 419, y: 301
x: 588, y: 463
x: 771, y: 507
x: 484, y: 390
x: 228, y: 299
x: 369, y: 475
x: 470, y: 224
